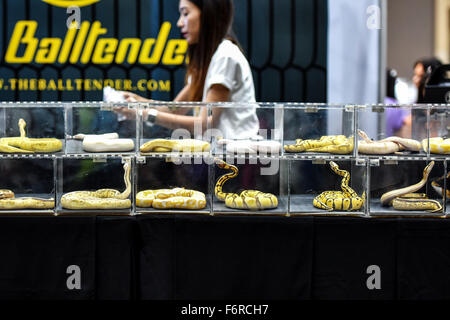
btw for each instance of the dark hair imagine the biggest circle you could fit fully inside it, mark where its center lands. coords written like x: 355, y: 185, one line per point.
x: 391, y: 78
x: 429, y: 65
x: 215, y: 25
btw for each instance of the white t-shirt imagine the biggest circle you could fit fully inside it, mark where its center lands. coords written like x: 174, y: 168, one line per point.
x: 230, y: 68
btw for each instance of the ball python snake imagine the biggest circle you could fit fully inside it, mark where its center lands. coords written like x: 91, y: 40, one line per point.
x: 108, y: 142
x: 250, y: 146
x: 177, y: 198
x: 345, y: 200
x: 9, y: 201
x: 339, y: 144
x: 386, y: 146
x: 23, y: 144
x: 407, y: 200
x: 437, y: 145
x: 248, y: 199
x: 440, y: 189
x: 102, y: 198
x: 176, y: 145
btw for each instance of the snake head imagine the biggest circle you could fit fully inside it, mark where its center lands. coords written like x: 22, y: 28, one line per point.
x: 428, y: 169
x: 220, y: 163
x: 334, y: 165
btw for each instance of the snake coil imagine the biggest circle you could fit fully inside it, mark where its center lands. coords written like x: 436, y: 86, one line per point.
x: 177, y: 198
x: 346, y: 200
x: 9, y: 201
x: 23, y: 144
x: 407, y: 200
x: 247, y: 199
x: 100, y: 199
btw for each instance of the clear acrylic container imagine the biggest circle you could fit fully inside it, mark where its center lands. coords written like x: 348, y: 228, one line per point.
x: 310, y: 178
x: 89, y: 174
x: 318, y: 129
x: 394, y: 175
x: 101, y: 128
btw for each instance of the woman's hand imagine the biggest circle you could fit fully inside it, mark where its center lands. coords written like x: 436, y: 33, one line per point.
x: 133, y: 97
x: 129, y: 114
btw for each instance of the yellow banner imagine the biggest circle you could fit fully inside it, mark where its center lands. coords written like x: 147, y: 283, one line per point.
x: 85, y: 45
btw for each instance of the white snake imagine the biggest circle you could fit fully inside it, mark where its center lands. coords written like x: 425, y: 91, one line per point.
x: 386, y: 146
x: 108, y: 142
x: 251, y: 146
x: 102, y: 198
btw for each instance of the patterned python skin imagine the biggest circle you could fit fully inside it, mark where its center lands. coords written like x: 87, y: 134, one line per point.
x: 8, y: 201
x: 406, y: 200
x: 248, y: 199
x: 330, y: 144
x: 177, y: 198
x: 345, y: 200
x: 183, y: 145
x: 439, y: 188
x: 23, y: 144
x: 100, y: 199
x: 437, y: 145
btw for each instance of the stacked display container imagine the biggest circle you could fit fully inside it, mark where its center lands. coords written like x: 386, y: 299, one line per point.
x: 306, y: 158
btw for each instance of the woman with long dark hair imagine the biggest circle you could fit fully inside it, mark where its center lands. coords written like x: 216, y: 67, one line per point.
x: 217, y: 72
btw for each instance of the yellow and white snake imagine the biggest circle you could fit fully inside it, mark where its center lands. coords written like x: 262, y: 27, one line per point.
x: 23, y: 144
x: 177, y: 198
x: 407, y: 200
x: 176, y: 145
x: 437, y: 145
x: 100, y: 199
x: 8, y: 201
x: 339, y: 144
x: 247, y: 199
x: 345, y: 200
x: 386, y: 146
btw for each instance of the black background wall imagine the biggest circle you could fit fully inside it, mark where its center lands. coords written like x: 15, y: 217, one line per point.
x: 285, y: 41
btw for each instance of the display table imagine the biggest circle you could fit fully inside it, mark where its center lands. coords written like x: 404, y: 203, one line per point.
x: 36, y: 253
x: 224, y: 257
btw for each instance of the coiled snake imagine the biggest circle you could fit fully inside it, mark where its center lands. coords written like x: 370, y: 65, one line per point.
x: 405, y: 199
x: 332, y: 144
x: 23, y: 144
x: 247, y: 199
x: 8, y: 201
x: 440, y: 189
x: 102, y: 198
x: 177, y: 198
x: 345, y: 200
x: 437, y: 145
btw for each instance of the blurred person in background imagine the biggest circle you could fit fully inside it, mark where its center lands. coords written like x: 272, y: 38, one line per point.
x: 423, y: 69
x: 398, y: 120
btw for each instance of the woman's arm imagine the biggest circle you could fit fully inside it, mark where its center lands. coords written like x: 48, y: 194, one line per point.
x: 183, y: 95
x: 217, y: 93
